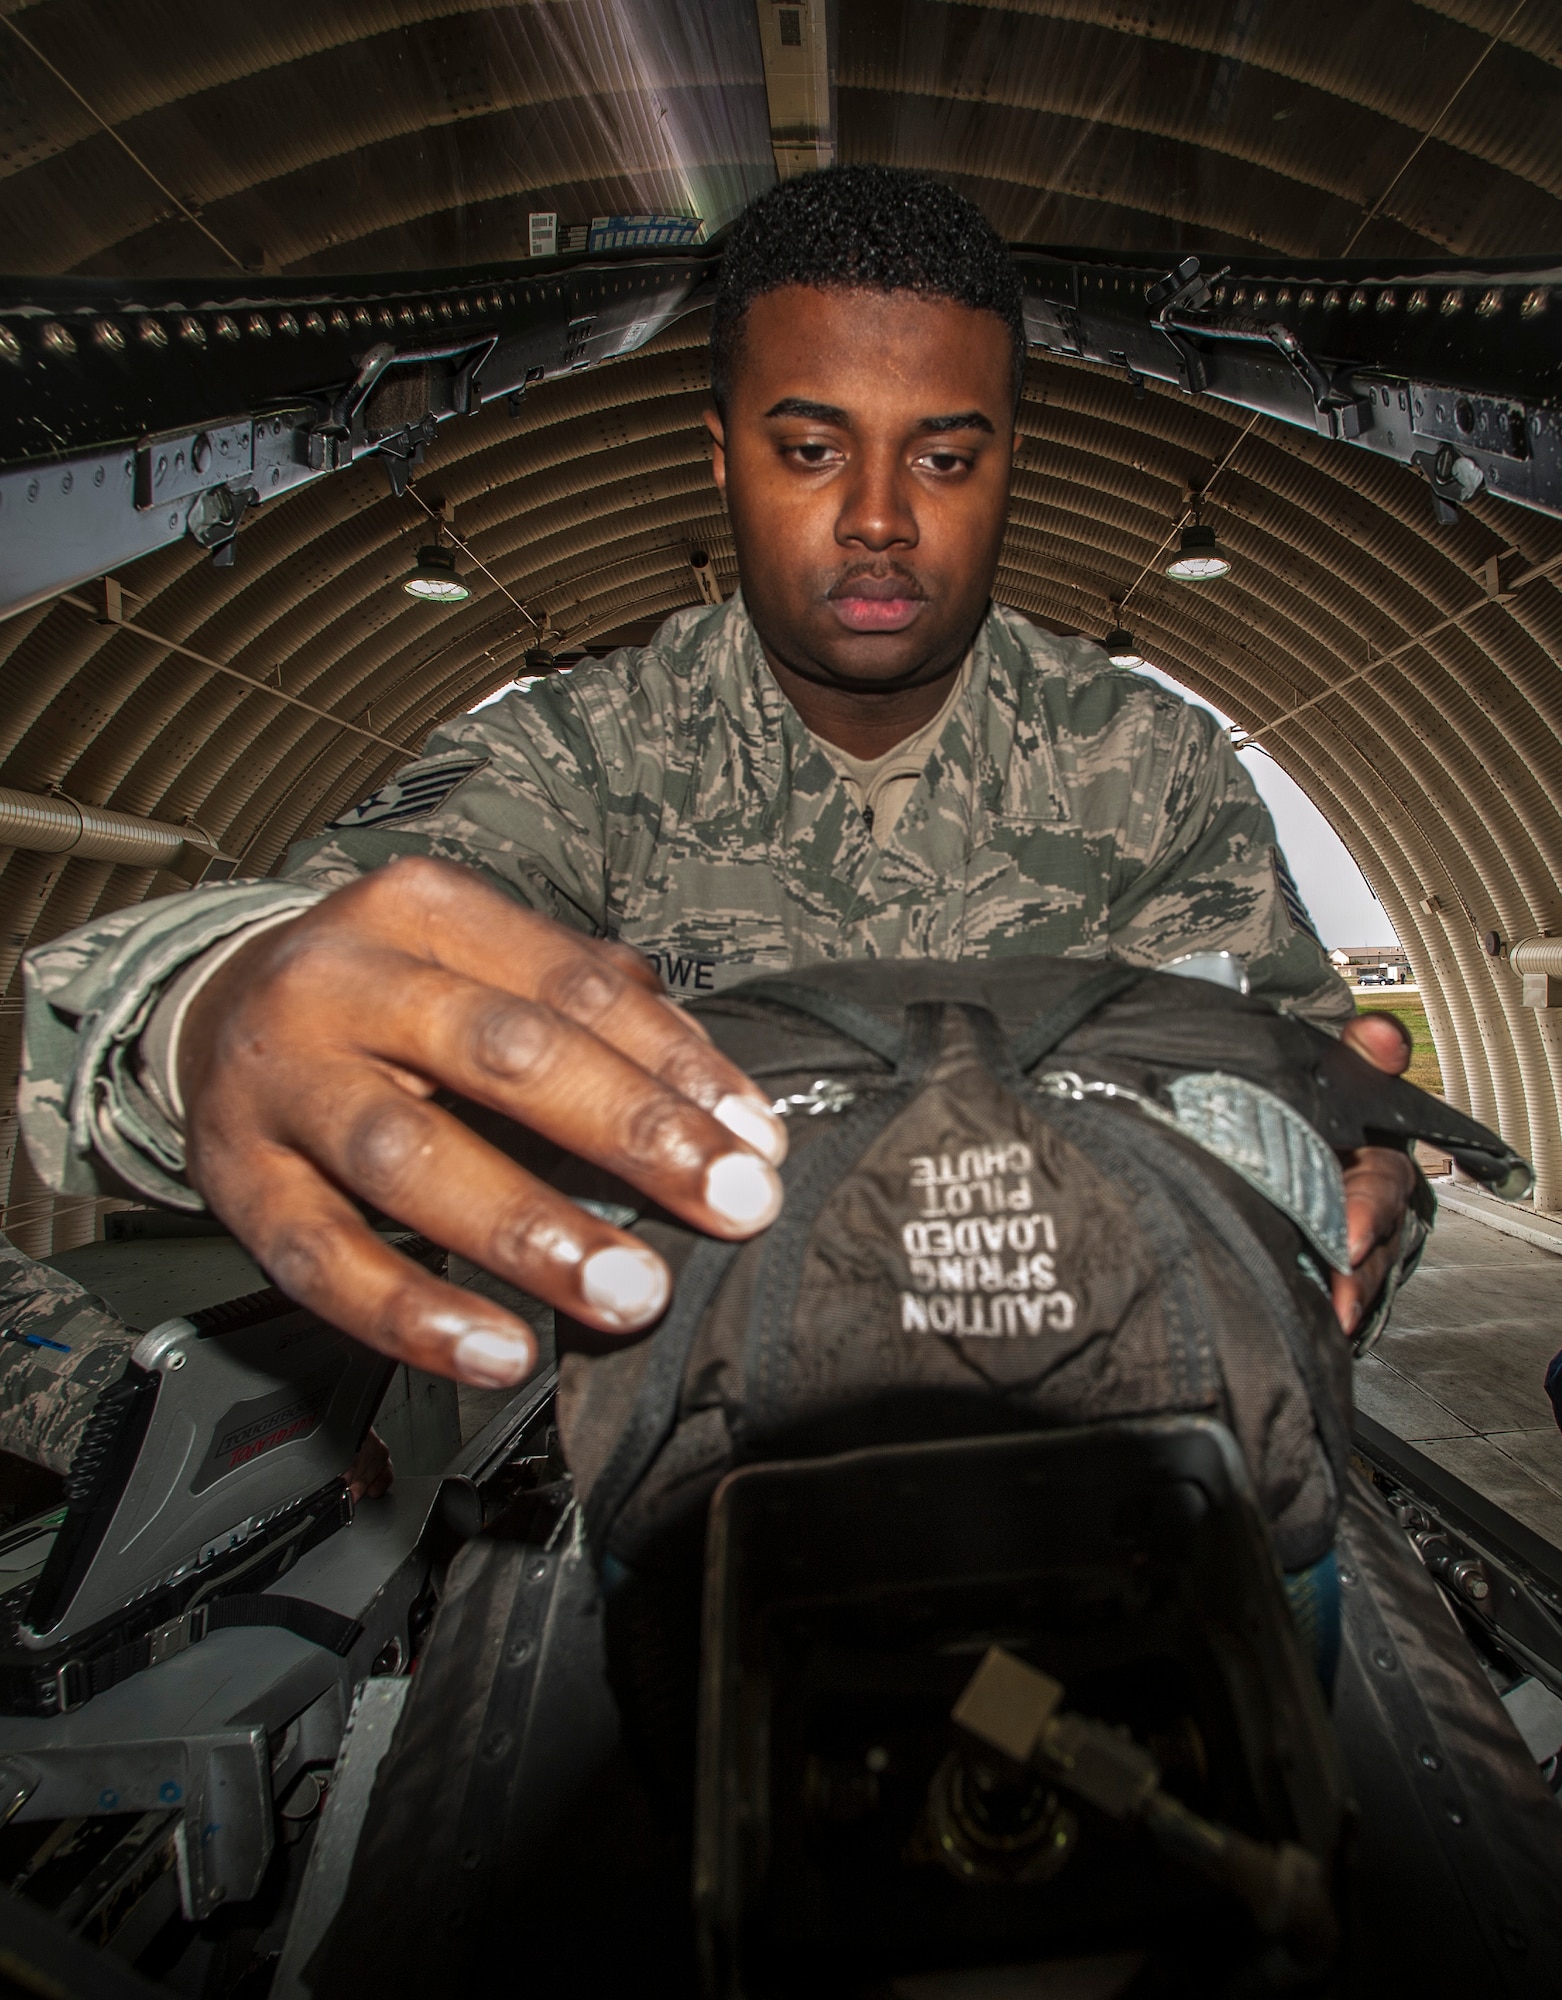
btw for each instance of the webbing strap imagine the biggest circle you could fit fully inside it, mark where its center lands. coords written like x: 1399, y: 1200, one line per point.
x: 846, y: 1017
x: 1053, y: 1024
x: 655, y: 1409
x: 812, y: 1178
x: 1234, y: 1232
x: 78, y: 1680
x: 332, y: 1630
x: 1176, y: 1169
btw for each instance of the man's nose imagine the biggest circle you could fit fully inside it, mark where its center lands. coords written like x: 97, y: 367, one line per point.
x: 876, y: 505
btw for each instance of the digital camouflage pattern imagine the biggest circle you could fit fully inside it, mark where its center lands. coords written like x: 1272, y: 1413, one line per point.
x: 672, y: 798
x: 59, y: 1345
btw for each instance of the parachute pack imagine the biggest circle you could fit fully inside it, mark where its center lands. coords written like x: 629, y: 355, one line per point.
x: 1027, y: 1192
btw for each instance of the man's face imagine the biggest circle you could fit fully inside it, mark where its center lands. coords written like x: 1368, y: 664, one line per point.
x: 865, y: 460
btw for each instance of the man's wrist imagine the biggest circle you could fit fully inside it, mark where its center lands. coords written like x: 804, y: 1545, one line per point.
x: 162, y: 1037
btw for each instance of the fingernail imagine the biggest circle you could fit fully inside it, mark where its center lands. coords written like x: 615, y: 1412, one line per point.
x: 490, y: 1361
x: 627, y: 1285
x: 742, y: 1190
x: 754, y: 1125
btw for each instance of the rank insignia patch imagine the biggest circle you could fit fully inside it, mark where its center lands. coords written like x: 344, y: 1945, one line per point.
x: 411, y: 794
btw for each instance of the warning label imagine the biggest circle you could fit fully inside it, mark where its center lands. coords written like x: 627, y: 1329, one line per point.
x: 981, y: 1258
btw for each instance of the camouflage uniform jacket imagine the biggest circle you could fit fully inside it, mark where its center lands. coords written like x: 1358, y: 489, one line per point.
x: 673, y: 798
x: 60, y: 1345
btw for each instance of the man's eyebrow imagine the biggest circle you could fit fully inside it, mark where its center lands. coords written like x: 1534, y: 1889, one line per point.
x: 813, y: 413
x: 827, y: 413
x: 966, y: 420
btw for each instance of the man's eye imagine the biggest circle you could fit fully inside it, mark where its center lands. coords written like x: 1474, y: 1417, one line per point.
x: 812, y: 454
x: 945, y: 461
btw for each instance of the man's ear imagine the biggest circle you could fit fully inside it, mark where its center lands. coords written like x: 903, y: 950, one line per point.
x: 718, y: 463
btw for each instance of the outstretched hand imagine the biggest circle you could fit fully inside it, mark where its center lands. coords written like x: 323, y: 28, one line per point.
x: 1378, y: 1180
x: 307, y: 1067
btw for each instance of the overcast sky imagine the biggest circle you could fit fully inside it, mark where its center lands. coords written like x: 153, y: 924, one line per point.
x: 1333, y: 887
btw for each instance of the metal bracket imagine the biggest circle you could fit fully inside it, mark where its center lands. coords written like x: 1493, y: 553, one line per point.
x: 403, y: 452
x: 466, y: 399
x: 517, y: 396
x: 1185, y: 289
x: 214, y: 519
x: 1135, y: 379
x: 1500, y: 425
x: 1055, y: 327
x: 171, y: 464
x: 1454, y: 479
x: 1339, y: 411
x: 330, y: 445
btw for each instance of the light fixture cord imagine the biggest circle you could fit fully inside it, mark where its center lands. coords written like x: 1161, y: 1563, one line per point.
x: 1433, y: 129
x: 93, y: 112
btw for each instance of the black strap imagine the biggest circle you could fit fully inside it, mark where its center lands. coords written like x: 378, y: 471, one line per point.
x: 655, y: 1409
x: 79, y: 1680
x: 846, y: 1017
x: 1202, y: 1194
x: 1196, y: 1379
x: 811, y: 1178
x: 332, y: 1630
x: 1055, y: 1023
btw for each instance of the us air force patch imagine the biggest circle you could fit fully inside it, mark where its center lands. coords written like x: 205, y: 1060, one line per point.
x: 411, y: 794
x: 1291, y: 896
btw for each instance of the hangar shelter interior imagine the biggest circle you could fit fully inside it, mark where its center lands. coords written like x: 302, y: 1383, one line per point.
x: 353, y: 356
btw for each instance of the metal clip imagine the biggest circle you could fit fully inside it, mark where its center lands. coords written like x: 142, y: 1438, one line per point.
x: 823, y: 1094
x: 177, y: 1634
x: 1070, y: 1084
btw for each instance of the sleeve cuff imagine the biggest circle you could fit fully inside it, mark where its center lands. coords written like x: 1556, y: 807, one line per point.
x: 158, y: 1064
x: 92, y: 1123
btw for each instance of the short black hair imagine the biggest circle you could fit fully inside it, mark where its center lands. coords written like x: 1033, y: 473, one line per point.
x: 873, y: 228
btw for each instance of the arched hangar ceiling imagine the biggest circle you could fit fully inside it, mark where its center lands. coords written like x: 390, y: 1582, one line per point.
x: 1405, y: 674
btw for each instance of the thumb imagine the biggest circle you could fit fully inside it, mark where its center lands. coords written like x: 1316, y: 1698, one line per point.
x: 1380, y: 1039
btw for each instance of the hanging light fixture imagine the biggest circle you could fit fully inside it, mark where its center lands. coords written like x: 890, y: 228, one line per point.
x: 1118, y: 645
x: 433, y: 576
x: 1199, y: 558
x: 1120, y: 648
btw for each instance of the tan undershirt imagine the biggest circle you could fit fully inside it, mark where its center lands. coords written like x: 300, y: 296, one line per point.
x: 880, y: 786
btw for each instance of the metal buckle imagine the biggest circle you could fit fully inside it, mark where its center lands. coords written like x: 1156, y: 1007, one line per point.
x: 173, y: 1637
x: 62, y: 1695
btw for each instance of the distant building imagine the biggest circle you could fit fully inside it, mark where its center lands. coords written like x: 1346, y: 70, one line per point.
x: 1374, y: 964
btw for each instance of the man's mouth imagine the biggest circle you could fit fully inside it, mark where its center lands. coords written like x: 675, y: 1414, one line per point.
x: 877, y: 603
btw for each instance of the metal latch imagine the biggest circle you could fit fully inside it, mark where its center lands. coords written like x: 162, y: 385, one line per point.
x: 177, y: 1634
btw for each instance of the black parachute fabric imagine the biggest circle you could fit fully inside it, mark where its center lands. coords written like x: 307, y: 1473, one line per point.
x: 1022, y: 1192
